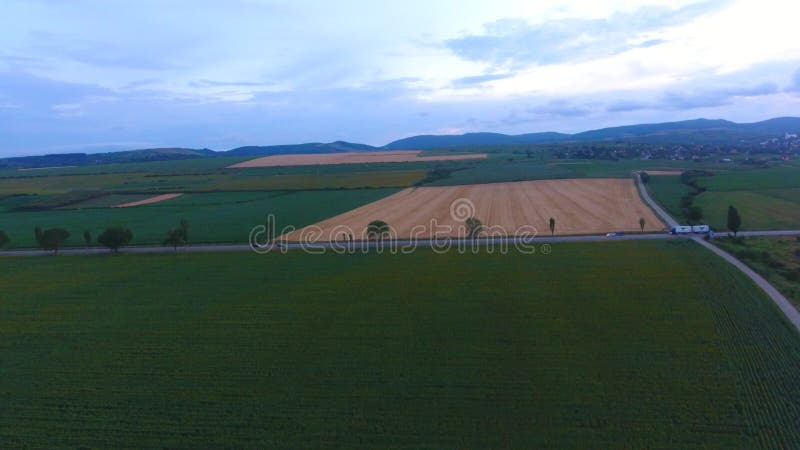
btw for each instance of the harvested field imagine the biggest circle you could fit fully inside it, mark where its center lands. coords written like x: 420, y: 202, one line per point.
x: 580, y: 206
x: 147, y: 201
x: 350, y: 158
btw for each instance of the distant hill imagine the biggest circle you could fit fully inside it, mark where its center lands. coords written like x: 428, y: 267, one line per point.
x: 298, y: 149
x: 83, y: 159
x: 472, y: 139
x: 698, y: 131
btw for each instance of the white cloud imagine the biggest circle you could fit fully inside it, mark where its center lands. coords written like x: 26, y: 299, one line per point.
x: 277, y: 72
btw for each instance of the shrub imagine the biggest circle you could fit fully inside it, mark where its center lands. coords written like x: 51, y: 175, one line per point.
x: 115, y: 237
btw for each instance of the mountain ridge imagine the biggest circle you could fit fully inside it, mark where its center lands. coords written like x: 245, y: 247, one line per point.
x: 694, y: 131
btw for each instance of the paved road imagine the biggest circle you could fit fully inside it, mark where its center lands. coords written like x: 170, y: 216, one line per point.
x: 653, y: 205
x: 342, y: 245
x: 779, y: 299
x: 387, y: 244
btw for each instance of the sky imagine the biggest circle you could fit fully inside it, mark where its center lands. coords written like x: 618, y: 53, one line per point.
x: 105, y: 75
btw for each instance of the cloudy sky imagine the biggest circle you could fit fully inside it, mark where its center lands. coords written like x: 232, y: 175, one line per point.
x: 97, y: 75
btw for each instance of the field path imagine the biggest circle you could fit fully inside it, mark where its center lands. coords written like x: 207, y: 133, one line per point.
x: 147, y: 201
x: 655, y: 206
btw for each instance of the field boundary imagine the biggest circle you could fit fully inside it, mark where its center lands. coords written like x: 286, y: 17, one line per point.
x: 657, y: 209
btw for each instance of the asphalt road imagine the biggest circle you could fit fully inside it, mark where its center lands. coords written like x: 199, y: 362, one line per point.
x: 385, y: 244
x: 779, y: 299
x: 653, y: 205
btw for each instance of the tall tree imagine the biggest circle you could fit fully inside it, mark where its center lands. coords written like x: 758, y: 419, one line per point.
x: 115, y: 237
x: 4, y: 240
x: 52, y: 239
x: 645, y: 177
x: 734, y: 220
x: 87, y: 237
x: 552, y: 226
x: 175, y: 238
x: 474, y: 227
x: 269, y: 229
x: 642, y: 223
x: 694, y: 214
x: 377, y: 229
x: 185, y: 230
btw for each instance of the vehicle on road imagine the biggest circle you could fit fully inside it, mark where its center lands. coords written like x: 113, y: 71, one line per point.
x: 689, y: 229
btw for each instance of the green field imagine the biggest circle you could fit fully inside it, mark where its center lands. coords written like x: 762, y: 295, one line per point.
x: 776, y: 258
x: 223, y: 204
x: 223, y: 180
x: 767, y: 198
x: 213, y: 217
x: 667, y: 192
x: 605, y: 345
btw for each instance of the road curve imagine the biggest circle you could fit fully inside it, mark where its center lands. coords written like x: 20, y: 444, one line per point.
x: 779, y: 299
x: 653, y: 205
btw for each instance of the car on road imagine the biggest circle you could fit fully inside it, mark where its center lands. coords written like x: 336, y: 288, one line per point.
x: 615, y: 234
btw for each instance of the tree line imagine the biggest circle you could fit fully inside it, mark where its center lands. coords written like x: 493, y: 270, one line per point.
x: 112, y: 238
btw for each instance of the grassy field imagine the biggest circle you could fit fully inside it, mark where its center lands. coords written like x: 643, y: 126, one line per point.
x: 607, y: 345
x: 228, y: 180
x: 776, y: 258
x: 214, y: 217
x: 667, y: 191
x: 759, y: 210
x: 767, y: 199
x: 504, y: 167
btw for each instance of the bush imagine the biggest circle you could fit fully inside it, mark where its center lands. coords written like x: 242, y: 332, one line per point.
x: 793, y: 275
x: 51, y: 239
x: 115, y: 237
x: 771, y: 262
x: 746, y: 254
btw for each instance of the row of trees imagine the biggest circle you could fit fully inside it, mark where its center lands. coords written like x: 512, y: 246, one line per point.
x: 113, y: 238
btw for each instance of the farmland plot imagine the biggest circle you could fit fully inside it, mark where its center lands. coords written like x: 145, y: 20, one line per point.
x: 579, y: 206
x: 394, y: 156
x: 604, y: 345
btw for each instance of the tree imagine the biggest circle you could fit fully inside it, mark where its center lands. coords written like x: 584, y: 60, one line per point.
x: 645, y: 177
x: 51, y: 239
x: 269, y: 229
x: 474, y: 227
x: 552, y: 226
x: 4, y: 240
x: 87, y: 237
x: 175, y: 238
x: 642, y: 223
x: 694, y: 214
x: 185, y: 230
x: 115, y: 237
x: 734, y: 220
x: 377, y: 229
